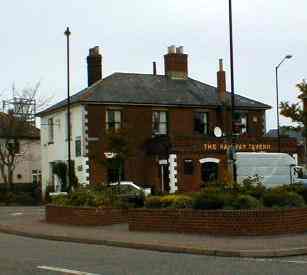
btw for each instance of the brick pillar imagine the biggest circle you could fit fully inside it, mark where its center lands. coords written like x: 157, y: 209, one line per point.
x: 94, y: 67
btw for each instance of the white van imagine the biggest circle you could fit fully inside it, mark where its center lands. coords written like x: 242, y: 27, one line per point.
x: 273, y: 168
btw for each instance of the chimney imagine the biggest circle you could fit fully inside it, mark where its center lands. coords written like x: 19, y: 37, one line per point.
x: 94, y: 69
x: 221, y: 82
x: 176, y: 63
x: 154, y: 68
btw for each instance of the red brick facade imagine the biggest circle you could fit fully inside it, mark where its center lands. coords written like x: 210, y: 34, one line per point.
x: 143, y: 168
x: 220, y: 222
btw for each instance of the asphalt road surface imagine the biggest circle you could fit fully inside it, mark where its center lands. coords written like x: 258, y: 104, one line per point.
x: 20, y: 255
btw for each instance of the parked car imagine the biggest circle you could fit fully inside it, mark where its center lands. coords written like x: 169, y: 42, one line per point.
x: 130, y: 188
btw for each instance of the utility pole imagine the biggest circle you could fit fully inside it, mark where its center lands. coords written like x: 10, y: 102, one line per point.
x: 67, y: 33
x: 233, y: 141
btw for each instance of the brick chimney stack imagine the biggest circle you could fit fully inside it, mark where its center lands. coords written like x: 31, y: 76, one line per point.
x: 176, y: 63
x: 221, y: 82
x: 94, y: 67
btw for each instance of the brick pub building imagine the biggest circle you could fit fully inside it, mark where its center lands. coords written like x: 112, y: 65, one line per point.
x: 168, y: 114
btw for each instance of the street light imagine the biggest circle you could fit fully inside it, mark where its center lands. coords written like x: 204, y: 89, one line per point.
x: 233, y: 141
x: 277, y: 97
x: 67, y: 34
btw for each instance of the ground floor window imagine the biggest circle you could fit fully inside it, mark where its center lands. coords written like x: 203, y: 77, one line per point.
x: 36, y: 176
x: 209, y: 171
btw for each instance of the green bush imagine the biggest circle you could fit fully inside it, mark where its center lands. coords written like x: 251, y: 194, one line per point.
x: 60, y: 200
x: 256, y: 190
x: 182, y: 201
x: 24, y: 199
x: 153, y: 202
x: 104, y: 198
x: 246, y: 202
x: 210, y: 200
x: 82, y: 198
x: 282, y: 198
x: 167, y: 201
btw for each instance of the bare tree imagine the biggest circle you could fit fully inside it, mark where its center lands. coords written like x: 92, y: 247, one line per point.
x: 17, y: 129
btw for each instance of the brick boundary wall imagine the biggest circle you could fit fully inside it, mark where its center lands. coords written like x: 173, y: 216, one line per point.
x: 220, y: 222
x: 85, y: 215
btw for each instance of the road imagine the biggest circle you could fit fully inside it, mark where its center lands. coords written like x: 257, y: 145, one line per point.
x: 19, y: 255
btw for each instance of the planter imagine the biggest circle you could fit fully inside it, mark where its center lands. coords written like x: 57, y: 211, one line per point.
x: 220, y: 222
x: 87, y: 216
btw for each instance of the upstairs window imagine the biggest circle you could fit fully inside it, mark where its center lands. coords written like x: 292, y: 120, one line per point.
x: 50, y: 130
x: 201, y: 123
x: 243, y: 120
x: 159, y: 123
x: 113, y: 119
x: 78, y: 146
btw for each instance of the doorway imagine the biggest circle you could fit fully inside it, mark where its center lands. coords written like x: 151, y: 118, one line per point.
x: 209, y: 170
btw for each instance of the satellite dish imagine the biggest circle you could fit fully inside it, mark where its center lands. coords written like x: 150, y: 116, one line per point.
x: 218, y: 132
x: 110, y: 155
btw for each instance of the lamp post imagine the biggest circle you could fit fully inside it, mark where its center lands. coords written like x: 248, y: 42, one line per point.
x: 277, y: 97
x: 67, y: 34
x: 233, y: 141
x: 232, y: 73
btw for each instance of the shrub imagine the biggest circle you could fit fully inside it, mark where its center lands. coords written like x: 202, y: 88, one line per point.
x: 24, y: 199
x: 60, y: 200
x: 282, y: 198
x: 210, y: 200
x: 167, y: 201
x: 10, y: 198
x: 182, y: 201
x: 245, y: 202
x: 153, y: 202
x: 82, y: 198
x: 256, y: 191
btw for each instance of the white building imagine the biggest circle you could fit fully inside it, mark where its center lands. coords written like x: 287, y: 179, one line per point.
x: 54, y: 143
x: 28, y: 153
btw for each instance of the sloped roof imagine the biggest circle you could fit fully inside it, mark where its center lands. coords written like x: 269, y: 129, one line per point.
x: 148, y: 89
x: 12, y: 127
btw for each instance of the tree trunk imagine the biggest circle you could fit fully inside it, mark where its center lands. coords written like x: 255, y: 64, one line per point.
x: 4, y: 177
x: 9, y: 177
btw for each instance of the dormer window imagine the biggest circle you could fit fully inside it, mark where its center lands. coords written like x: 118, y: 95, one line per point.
x: 159, y: 123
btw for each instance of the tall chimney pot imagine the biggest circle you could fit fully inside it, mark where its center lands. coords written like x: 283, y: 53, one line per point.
x: 176, y: 63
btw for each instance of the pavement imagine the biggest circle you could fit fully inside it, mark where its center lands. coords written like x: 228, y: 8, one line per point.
x: 30, y: 222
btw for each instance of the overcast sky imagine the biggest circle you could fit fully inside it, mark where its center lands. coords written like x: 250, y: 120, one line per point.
x: 134, y: 33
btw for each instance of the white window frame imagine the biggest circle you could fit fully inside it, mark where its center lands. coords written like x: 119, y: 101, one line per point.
x: 117, y: 122
x: 159, y: 127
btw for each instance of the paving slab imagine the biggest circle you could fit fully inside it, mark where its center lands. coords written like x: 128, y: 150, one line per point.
x: 30, y: 222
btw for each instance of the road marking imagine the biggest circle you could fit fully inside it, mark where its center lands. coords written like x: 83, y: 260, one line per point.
x: 278, y: 261
x: 64, y: 270
x: 17, y: 214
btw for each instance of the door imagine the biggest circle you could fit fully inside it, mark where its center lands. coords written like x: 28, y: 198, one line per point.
x: 209, y: 171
